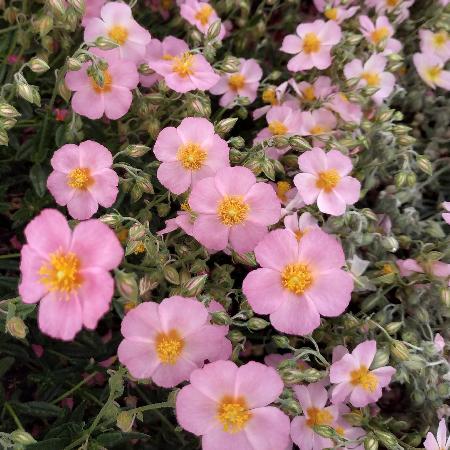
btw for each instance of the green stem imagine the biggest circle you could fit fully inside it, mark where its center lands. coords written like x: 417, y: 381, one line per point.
x: 8, y: 407
x: 8, y: 29
x: 75, y: 388
x: 10, y: 256
x: 151, y: 407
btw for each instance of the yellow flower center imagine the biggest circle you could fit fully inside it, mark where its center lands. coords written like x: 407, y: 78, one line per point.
x: 276, y: 128
x: 317, y: 129
x: 317, y: 416
x: 297, y: 278
x: 372, y: 79
x: 392, y: 3
x: 169, y: 347
x: 236, y: 81
x: 118, y: 34
x: 343, y: 97
x: 328, y: 180
x: 311, y: 43
x: 433, y: 73
x: 61, y: 273
x: 80, y: 178
x: 309, y: 94
x: 340, y: 431
x: 331, y: 13
x: 140, y: 248
x: 269, y: 95
x: 379, y: 34
x: 107, y: 82
x: 203, y: 14
x: 232, y: 210
x: 282, y: 189
x: 191, y: 156
x: 185, y: 206
x: 182, y: 65
x: 387, y: 269
x: 233, y: 414
x: 364, y: 378
x: 300, y: 233
x: 440, y: 39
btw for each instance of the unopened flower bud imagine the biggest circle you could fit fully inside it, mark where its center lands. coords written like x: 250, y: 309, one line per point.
x: 7, y: 123
x: 237, y: 142
x: 386, y: 115
x: 299, y: 143
x: 406, y: 140
x: 136, y: 150
x: 125, y: 421
x: 281, y: 341
x: 16, y: 327
x: 73, y: 64
x: 354, y: 417
x: 25, y: 91
x: 105, y: 43
x: 78, y: 5
x: 7, y: 110
x: 370, y: 442
x: 38, y: 65
x: 194, y: 286
x: 57, y: 6
x: 22, y: 437
x: 386, y: 438
x: 256, y: 324
x: 381, y: 358
x: 248, y: 259
x: 112, y: 219
x: 214, y: 30
x: 399, y: 350
x: 221, y: 318
x: 127, y: 285
x: 411, y: 179
x: 235, y: 336
x: 171, y: 275
x: 445, y: 296
x: 389, y: 243
x: 393, y: 327
x: 280, y: 141
x: 136, y: 232
x: 291, y: 407
x: 225, y: 126
x: 230, y: 64
x: 424, y: 164
x: 64, y: 91
x: 325, y: 431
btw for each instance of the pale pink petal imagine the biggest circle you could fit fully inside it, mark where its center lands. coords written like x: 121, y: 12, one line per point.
x: 384, y: 375
x: 31, y: 290
x: 301, y: 434
x: 117, y: 102
x: 244, y: 237
x: 167, y: 145
x: 336, y: 160
x: 94, y: 156
x: 168, y: 376
x: 142, y: 322
x: 88, y: 103
x: 105, y: 189
x: 264, y: 204
x: 306, y: 185
x: 341, y: 392
x: 431, y: 443
x: 234, y: 180
x: 331, y: 203
x: 195, y: 129
x: 210, y: 232
x: 291, y: 44
x: 58, y: 187
x: 139, y: 357
x: 348, y: 189
x: 205, y: 197
x: 174, y: 177
x: 314, y: 161
x: 218, y: 439
x: 82, y: 205
x: 66, y: 158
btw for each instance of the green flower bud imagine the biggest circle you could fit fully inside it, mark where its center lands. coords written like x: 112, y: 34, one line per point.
x: 22, y: 437
x: 370, y: 442
x: 112, y: 219
x: 136, y: 150
x: 381, y: 358
x: 386, y: 438
x: 326, y: 431
x: 235, y: 336
x: 214, y: 30
x: 171, y: 275
x: 237, y: 142
x: 38, y: 65
x: 105, y: 43
x: 257, y: 324
x: 393, y: 327
x: 399, y: 350
x: 7, y: 110
x: 16, y: 327
x: 281, y: 341
x: 126, y: 285
x: 125, y: 421
x: 221, y: 318
x: 225, y: 126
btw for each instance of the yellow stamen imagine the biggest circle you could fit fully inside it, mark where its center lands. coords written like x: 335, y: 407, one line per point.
x: 387, y: 269
x: 300, y: 233
x: 309, y: 94
x: 392, y: 3
x: 311, y: 43
x: 328, y: 180
x: 317, y: 129
x: 277, y: 128
x: 191, y: 156
x: 331, y: 13
x: 185, y: 206
x: 282, y: 189
x: 80, y: 178
x: 140, y: 248
x: 232, y: 210
x: 433, y: 73
x: 236, y: 81
x: 269, y: 96
x: 297, y: 278
x: 379, y: 35
x: 233, y: 414
x: 118, y: 34
x: 61, y: 273
x: 182, y: 65
x: 169, y: 347
x: 316, y: 416
x: 203, y: 14
x: 440, y: 39
x: 364, y: 378
x: 107, y: 83
x: 372, y: 78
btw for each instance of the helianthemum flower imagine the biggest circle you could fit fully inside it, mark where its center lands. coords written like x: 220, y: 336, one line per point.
x: 435, y: 43
x: 228, y: 409
x: 167, y: 341
x: 117, y: 23
x: 68, y: 271
x: 325, y: 180
x: 200, y: 14
x: 312, y: 45
x: 189, y: 153
x: 354, y: 380
x: 92, y: 9
x: 113, y: 96
x: 336, y: 10
x: 440, y: 441
x: 232, y: 208
x: 82, y: 178
x: 431, y: 69
x: 380, y: 34
x: 299, y: 280
x: 300, y: 225
x: 317, y: 122
x: 311, y: 92
x: 243, y: 83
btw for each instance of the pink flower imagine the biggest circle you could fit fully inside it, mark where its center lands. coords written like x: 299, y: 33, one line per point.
x: 408, y: 267
x: 439, y: 342
x: 243, y: 83
x: 317, y: 122
x: 225, y: 406
x: 300, y: 225
x: 182, y: 70
x: 82, y: 178
x: 312, y: 45
x: 400, y: 8
x: 313, y: 400
x: 233, y: 209
x: 431, y: 69
x: 114, y: 97
x: 298, y: 280
x: 334, y: 10
x: 92, y: 9
x: 183, y: 220
x: 344, y: 429
x: 69, y: 272
x: 440, y: 442
x: 372, y: 75
x: 273, y: 96
x: 189, y: 153
x: 446, y: 215
x: 117, y: 24
x: 347, y: 110
x: 311, y: 92
x: 167, y: 341
x: 353, y: 378
x: 202, y: 15
x: 380, y: 34
x: 325, y: 180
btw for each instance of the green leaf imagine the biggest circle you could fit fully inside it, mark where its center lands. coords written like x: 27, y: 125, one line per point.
x: 5, y: 364
x: 38, y: 179
x: 38, y: 409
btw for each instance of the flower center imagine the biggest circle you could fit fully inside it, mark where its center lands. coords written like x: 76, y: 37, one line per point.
x: 311, y: 43
x: 387, y: 269
x: 297, y: 278
x: 299, y: 234
x: 203, y: 14
x: 328, y: 180
x: 362, y: 377
x: 309, y: 94
x: 440, y: 39
x: 434, y: 73
x: 372, y: 78
x: 379, y: 34
x: 107, y: 82
x: 317, y: 416
x: 118, y: 34
x: 233, y: 414
x: 317, y: 129
x: 80, y: 178
x: 182, y: 65
x: 61, y: 273
x: 236, y: 81
x: 232, y: 210
x: 276, y: 127
x: 331, y: 13
x: 392, y: 3
x: 269, y: 96
x: 191, y: 156
x: 343, y: 97
x: 282, y: 189
x: 169, y: 347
